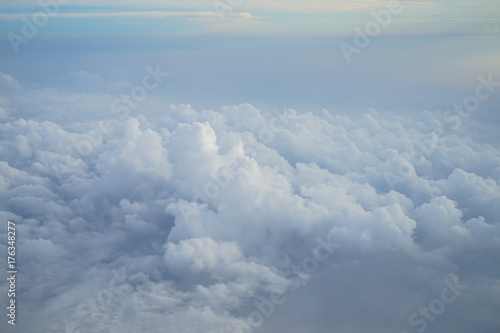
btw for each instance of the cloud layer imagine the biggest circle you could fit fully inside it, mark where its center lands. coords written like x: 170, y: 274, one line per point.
x: 240, y: 220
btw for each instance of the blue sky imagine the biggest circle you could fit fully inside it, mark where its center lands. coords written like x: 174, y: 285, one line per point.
x: 430, y: 53
x: 255, y: 17
x: 266, y: 52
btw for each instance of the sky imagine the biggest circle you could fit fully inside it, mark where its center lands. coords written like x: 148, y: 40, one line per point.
x: 428, y: 56
x: 251, y: 166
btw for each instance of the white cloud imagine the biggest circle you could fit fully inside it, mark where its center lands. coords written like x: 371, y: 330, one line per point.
x: 171, y: 222
x: 137, y: 14
x: 87, y: 77
x: 8, y: 81
x: 289, y: 6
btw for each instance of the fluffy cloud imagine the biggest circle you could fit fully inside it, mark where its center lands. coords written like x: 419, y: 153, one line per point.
x: 226, y: 220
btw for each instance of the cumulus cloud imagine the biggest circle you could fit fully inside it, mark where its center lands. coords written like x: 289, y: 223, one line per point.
x: 247, y: 220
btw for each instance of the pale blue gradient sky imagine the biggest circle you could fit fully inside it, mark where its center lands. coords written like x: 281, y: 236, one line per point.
x: 265, y: 52
x: 111, y: 18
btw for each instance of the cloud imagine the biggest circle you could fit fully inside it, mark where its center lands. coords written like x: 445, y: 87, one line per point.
x: 7, y: 81
x: 3, y: 113
x: 244, y: 219
x: 83, y: 76
x: 286, y: 6
x: 134, y: 14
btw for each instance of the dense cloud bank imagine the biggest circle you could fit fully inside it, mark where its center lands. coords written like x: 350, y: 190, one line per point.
x: 241, y: 220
